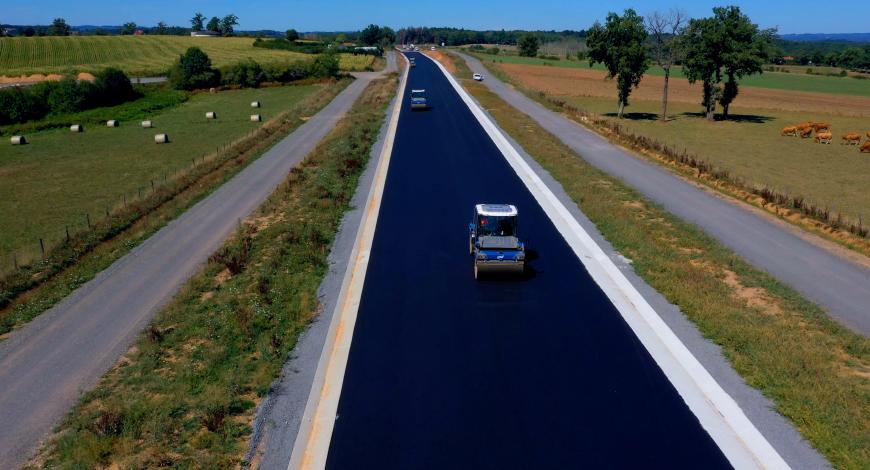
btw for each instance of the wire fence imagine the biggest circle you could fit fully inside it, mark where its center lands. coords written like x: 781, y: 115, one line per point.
x: 39, y: 249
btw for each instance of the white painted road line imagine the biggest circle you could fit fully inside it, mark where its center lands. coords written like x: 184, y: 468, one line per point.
x: 741, y: 442
x: 312, y: 442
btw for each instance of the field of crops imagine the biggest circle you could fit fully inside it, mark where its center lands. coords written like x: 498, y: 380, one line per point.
x: 136, y: 55
x: 772, y: 80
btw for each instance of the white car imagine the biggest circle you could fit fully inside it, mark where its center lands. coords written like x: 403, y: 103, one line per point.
x: 477, y: 77
x: 432, y: 48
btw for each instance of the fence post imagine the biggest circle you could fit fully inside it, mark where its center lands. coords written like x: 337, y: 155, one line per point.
x: 42, y: 248
x: 140, y: 193
x: 88, y: 217
x: 15, y: 260
x: 125, y: 200
x: 66, y: 227
x: 107, y: 211
x: 152, y: 186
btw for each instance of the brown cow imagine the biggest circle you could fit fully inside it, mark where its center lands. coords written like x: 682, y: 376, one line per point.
x: 821, y: 126
x: 868, y: 134
x: 866, y: 147
x: 804, y: 124
x: 824, y: 137
x: 806, y: 132
x: 790, y: 130
x: 851, y: 139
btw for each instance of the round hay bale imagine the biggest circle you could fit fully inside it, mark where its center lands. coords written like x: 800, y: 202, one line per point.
x: 211, y: 115
x: 76, y: 128
x: 112, y: 123
x: 147, y: 124
x: 212, y: 90
x: 256, y: 118
x: 255, y: 104
x: 18, y: 140
x: 161, y: 139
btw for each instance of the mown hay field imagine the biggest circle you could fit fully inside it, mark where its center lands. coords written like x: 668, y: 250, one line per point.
x: 773, y: 80
x: 136, y: 55
x: 749, y: 145
x: 59, y: 177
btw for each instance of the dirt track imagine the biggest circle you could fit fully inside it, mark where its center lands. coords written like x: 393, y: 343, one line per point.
x: 583, y: 82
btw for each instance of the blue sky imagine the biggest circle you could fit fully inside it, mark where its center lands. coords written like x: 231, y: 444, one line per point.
x: 791, y: 16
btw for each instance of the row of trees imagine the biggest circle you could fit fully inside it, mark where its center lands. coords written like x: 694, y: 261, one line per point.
x: 193, y: 70
x: 717, y: 51
x: 18, y: 105
x: 224, y: 26
x: 461, y: 37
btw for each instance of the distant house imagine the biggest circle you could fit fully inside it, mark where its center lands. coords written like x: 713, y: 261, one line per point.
x: 204, y: 34
x: 788, y: 58
x: 348, y: 44
x: 139, y: 32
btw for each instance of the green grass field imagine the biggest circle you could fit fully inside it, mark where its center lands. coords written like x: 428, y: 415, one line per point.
x: 136, y: 55
x: 774, y: 80
x: 59, y: 176
x: 750, y: 147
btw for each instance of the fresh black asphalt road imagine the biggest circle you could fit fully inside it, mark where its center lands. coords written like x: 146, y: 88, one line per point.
x: 840, y: 286
x: 47, y: 363
x: 449, y: 372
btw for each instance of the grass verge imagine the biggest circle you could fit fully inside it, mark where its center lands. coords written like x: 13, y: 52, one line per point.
x: 33, y: 289
x: 816, y: 372
x: 184, y: 395
x: 837, y: 176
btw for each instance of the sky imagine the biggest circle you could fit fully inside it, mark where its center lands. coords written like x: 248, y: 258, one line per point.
x: 790, y: 16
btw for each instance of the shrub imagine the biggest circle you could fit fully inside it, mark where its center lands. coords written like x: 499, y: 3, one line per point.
x: 247, y: 74
x: 193, y: 70
x: 70, y: 96
x: 17, y: 105
x: 114, y: 87
x: 297, y: 70
x: 325, y: 65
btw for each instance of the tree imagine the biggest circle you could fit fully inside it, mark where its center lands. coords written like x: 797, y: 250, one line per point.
x: 29, y: 31
x: 291, y: 35
x: 161, y: 29
x: 726, y: 46
x: 59, y: 28
x: 196, y: 23
x: 666, y: 30
x: 214, y: 24
x: 325, y: 65
x: 228, y: 24
x: 193, y: 70
x: 528, y: 45
x: 113, y: 87
x: 388, y: 37
x: 619, y: 45
x: 128, y: 28
x: 371, y: 35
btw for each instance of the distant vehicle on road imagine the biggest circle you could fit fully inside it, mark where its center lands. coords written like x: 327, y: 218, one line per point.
x: 412, y: 61
x: 477, y: 77
x: 493, y: 241
x: 432, y: 48
x: 418, y: 99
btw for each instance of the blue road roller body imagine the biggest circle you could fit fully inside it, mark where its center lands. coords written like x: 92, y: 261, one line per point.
x: 418, y: 99
x: 493, y: 240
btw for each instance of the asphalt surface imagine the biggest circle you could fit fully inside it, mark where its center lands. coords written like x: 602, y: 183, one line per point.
x: 446, y: 372
x: 840, y: 286
x: 45, y: 365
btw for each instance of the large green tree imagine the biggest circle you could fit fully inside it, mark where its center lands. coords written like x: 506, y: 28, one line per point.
x: 197, y: 23
x: 214, y: 24
x: 371, y: 35
x: 291, y: 35
x: 719, y: 51
x: 129, y: 28
x: 59, y: 28
x: 193, y: 70
x: 228, y: 24
x: 528, y: 45
x: 619, y: 45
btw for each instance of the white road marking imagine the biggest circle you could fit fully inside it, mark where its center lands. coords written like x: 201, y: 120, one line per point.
x: 315, y: 433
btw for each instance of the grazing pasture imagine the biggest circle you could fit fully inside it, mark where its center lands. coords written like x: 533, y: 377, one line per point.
x: 59, y: 177
x: 751, y: 145
x: 136, y: 55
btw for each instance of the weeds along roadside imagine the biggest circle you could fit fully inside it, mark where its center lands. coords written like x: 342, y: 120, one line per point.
x: 816, y: 372
x: 851, y: 232
x: 31, y: 290
x: 185, y: 394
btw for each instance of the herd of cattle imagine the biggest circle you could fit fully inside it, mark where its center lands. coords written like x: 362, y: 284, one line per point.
x: 824, y: 135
